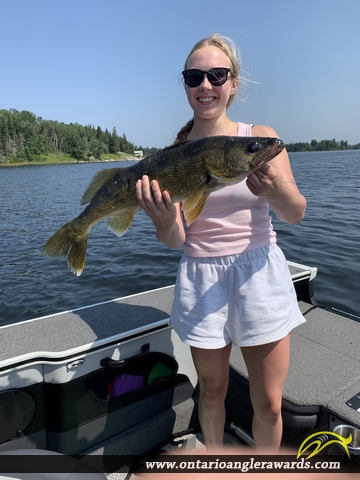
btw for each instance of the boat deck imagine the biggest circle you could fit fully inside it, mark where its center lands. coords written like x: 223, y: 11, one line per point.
x: 325, y: 351
x: 324, y: 372
x: 74, y: 331
x: 325, y: 363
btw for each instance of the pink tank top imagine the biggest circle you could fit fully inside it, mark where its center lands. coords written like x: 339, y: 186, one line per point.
x: 233, y: 221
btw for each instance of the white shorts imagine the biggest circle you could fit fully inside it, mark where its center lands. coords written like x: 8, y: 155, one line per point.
x: 248, y: 299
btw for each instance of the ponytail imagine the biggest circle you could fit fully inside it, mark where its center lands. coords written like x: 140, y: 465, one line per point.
x: 184, y: 132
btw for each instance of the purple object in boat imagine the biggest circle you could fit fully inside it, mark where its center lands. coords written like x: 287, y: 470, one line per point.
x: 124, y: 383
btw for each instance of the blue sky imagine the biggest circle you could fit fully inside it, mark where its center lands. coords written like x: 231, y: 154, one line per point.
x: 118, y: 63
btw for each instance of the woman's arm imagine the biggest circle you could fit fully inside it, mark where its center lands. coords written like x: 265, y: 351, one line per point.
x: 166, y: 215
x: 275, y: 182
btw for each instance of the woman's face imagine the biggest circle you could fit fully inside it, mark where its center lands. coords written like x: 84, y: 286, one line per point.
x: 206, y: 100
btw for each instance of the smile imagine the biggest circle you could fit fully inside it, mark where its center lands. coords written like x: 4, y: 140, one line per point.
x: 206, y: 99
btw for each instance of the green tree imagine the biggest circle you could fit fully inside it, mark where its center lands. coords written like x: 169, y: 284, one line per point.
x: 97, y: 148
x: 126, y: 146
x: 4, y: 134
x: 24, y: 136
x: 114, y: 143
x: 344, y: 145
x: 99, y: 134
x: 80, y: 149
x: 35, y: 145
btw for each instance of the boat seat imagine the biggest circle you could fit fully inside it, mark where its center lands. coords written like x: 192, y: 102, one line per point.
x: 69, y: 468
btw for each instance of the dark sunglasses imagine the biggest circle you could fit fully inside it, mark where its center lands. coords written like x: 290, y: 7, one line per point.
x: 216, y: 76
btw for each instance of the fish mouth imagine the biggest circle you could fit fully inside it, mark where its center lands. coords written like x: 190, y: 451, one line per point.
x: 277, y: 146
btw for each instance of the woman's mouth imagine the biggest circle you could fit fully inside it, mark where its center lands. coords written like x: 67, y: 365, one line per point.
x: 206, y: 99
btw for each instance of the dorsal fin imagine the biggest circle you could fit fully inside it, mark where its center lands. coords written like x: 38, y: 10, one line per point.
x: 97, y: 182
x: 170, y: 147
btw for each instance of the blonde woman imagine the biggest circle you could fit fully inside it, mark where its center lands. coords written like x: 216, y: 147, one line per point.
x: 233, y: 284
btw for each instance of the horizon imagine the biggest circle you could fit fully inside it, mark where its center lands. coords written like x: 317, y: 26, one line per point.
x: 94, y: 127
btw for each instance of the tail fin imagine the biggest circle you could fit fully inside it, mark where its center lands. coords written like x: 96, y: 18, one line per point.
x: 65, y: 242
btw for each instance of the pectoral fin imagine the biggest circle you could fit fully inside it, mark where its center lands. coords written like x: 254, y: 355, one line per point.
x: 120, y: 223
x: 191, y: 215
x: 194, y: 204
x: 194, y: 197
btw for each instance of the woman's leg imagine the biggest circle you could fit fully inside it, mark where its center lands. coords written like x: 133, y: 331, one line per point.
x: 212, y: 367
x: 267, y: 368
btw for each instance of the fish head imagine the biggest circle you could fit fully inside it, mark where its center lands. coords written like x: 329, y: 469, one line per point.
x: 231, y: 159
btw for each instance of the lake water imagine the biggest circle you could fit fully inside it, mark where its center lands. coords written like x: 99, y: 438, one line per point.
x: 35, y: 201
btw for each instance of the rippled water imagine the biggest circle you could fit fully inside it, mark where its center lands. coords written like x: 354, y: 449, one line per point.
x: 328, y: 237
x: 35, y: 201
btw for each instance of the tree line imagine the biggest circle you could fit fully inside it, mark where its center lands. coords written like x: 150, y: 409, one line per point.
x: 24, y: 137
x: 323, y: 145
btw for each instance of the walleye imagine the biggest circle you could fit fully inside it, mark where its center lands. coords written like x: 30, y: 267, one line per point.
x: 189, y: 171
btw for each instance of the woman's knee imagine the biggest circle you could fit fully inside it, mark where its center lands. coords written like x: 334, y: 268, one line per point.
x: 268, y: 409
x: 212, y: 367
x: 213, y: 391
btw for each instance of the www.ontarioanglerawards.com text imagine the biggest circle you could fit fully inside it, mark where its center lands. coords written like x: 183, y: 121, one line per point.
x: 241, y: 464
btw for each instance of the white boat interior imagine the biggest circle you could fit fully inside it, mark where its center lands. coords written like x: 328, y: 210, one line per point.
x: 58, y: 374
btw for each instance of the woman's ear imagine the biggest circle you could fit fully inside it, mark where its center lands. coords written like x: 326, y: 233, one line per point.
x: 235, y: 84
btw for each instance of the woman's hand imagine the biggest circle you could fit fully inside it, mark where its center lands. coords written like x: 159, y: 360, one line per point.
x: 165, y: 214
x: 265, y: 182
x: 157, y: 205
x: 275, y: 182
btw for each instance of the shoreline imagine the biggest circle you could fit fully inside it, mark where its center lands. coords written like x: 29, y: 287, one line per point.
x: 29, y: 164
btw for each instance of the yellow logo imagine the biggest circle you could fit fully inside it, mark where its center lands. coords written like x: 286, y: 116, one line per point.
x: 322, y: 440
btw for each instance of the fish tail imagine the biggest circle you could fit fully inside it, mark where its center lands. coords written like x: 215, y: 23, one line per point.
x: 77, y: 255
x: 67, y: 241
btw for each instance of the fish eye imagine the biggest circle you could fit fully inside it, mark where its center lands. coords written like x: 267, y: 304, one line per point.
x: 253, y: 147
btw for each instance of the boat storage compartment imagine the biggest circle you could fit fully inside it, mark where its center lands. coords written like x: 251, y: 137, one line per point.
x: 108, y: 400
x: 22, y: 420
x: 72, y: 380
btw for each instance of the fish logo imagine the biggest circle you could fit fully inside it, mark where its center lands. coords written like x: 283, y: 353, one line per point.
x: 322, y: 440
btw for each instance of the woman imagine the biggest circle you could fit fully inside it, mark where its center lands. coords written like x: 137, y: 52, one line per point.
x: 233, y: 284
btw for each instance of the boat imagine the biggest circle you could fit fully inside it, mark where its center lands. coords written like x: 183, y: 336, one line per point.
x: 64, y: 383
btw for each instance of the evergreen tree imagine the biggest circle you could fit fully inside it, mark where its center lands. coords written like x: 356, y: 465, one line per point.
x: 114, y: 144
x: 4, y: 134
x: 99, y: 134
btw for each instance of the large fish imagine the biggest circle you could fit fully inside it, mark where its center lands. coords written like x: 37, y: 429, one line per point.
x: 189, y: 171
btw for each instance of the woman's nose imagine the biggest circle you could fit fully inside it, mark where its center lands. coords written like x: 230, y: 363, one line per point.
x: 205, y: 84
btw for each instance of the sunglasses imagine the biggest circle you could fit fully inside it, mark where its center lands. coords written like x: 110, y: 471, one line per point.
x: 216, y: 76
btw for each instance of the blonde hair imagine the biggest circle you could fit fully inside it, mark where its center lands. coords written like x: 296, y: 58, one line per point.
x: 230, y: 49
